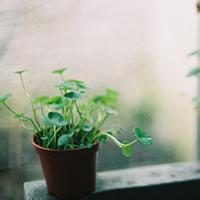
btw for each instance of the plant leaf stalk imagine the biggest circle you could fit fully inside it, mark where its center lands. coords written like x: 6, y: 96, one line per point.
x: 21, y: 116
x: 30, y: 99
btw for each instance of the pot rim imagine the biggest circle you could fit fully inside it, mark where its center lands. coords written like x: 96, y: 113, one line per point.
x: 57, y: 150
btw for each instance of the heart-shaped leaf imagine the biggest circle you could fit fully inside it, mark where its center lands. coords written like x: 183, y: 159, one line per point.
x: 60, y: 103
x: 143, y: 138
x: 3, y: 98
x: 73, y: 95
x: 194, y: 72
x: 69, y: 132
x: 109, y: 98
x: 126, y: 148
x: 66, y: 85
x: 20, y: 71
x: 47, y: 122
x: 110, y: 92
x: 41, y: 99
x: 72, y: 85
x: 63, y: 140
x: 57, y: 119
x: 87, y: 127
x: 79, y: 84
x: 59, y: 106
x: 59, y: 71
x: 54, y: 100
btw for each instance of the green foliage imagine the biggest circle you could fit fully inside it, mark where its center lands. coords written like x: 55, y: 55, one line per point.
x: 195, y: 53
x: 74, y: 95
x: 41, y: 99
x: 72, y: 85
x: 194, y: 72
x: 126, y: 148
x: 64, y: 122
x: 53, y: 100
x: 63, y: 140
x: 143, y: 137
x: 20, y: 71
x: 87, y: 127
x: 56, y: 119
x: 109, y: 98
x: 59, y: 71
x: 3, y: 98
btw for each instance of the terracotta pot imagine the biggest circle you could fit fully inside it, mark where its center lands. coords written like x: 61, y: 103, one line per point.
x: 69, y: 174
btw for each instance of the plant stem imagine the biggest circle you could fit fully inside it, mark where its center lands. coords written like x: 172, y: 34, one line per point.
x: 54, y: 135
x: 42, y: 109
x: 117, y: 142
x: 61, y: 92
x: 71, y: 113
x: 100, y: 124
x: 30, y: 99
x: 21, y: 116
x: 78, y: 110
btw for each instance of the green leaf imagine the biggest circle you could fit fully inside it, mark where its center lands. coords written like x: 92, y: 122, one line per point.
x: 87, y: 127
x: 194, y: 72
x: 66, y: 85
x: 57, y: 119
x: 44, y: 138
x: 3, y: 98
x: 20, y: 71
x: 46, y: 121
x: 102, y: 138
x: 72, y: 85
x: 79, y: 84
x: 69, y: 132
x: 59, y: 71
x: 73, y: 95
x: 54, y: 100
x: 59, y: 106
x: 126, y: 148
x: 195, y: 53
x: 143, y: 137
x: 41, y: 99
x: 63, y: 140
x: 112, y: 92
x: 109, y: 98
x: 60, y: 103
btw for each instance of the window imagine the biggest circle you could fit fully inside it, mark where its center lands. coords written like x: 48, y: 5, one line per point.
x: 136, y: 47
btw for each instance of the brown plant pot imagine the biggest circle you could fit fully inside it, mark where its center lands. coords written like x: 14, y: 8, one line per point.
x: 69, y: 174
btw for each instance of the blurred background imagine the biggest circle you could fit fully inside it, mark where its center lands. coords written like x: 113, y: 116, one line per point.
x: 137, y: 47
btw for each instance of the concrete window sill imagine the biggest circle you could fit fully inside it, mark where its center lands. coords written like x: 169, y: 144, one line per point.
x: 168, y: 181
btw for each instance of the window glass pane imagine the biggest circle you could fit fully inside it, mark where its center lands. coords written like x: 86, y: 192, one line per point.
x: 136, y: 47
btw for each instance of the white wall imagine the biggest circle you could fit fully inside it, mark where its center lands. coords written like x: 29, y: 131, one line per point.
x: 138, y: 47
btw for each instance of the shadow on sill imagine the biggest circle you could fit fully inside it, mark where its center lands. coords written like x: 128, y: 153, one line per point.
x: 187, y: 190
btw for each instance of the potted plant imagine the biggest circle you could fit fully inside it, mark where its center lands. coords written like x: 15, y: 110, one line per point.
x: 67, y: 133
